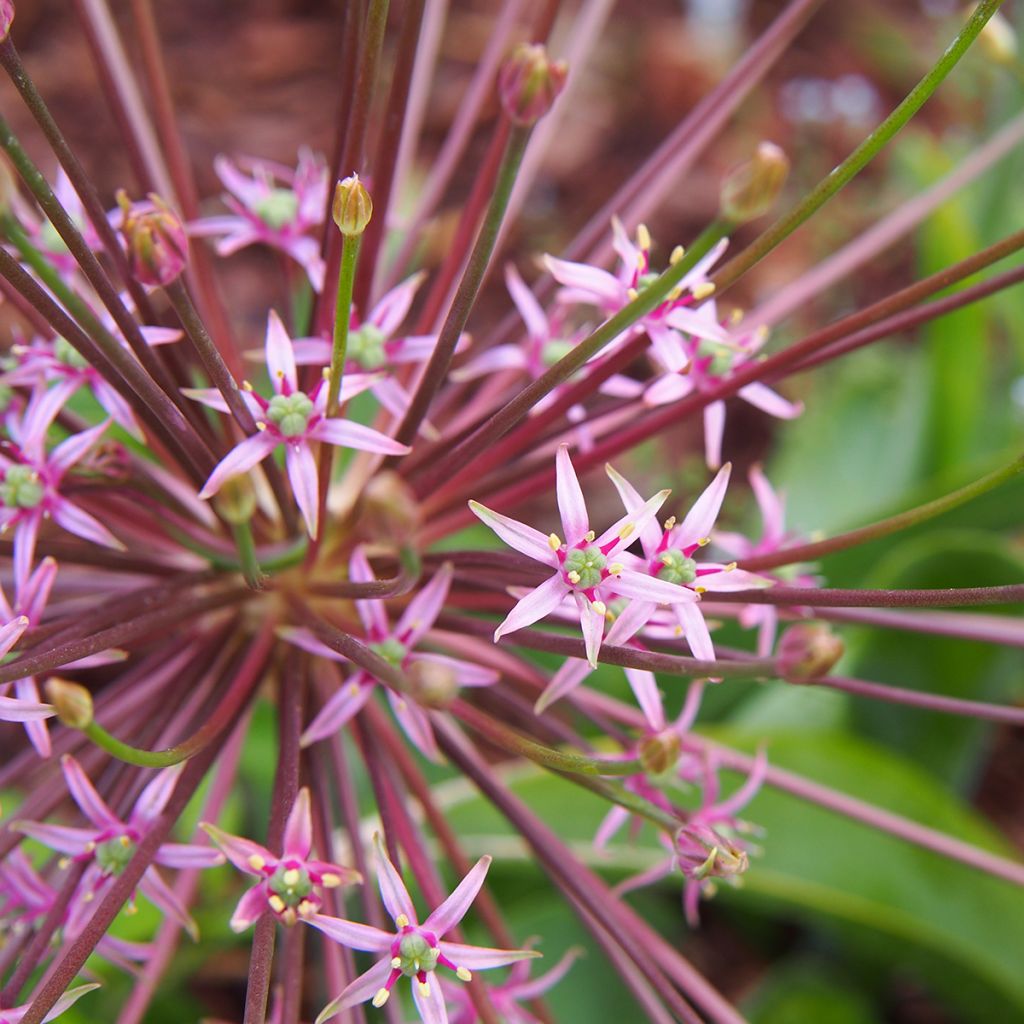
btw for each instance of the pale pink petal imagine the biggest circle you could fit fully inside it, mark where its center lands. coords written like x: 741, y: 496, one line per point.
x: 32, y: 599
x: 628, y: 253
x: 11, y: 632
x: 465, y: 672
x: 571, y: 505
x: 311, y: 351
x: 425, y: 607
x: 392, y: 396
x: 602, y: 287
x: 625, y: 530
x: 298, y: 831
x: 67, y: 1000
x: 430, y: 1004
x: 160, y: 335
x: 117, y: 408
x: 306, y: 252
x: 592, y: 624
x: 728, y: 807
x: 700, y: 520
x: 695, y: 630
x: 726, y: 579
x: 210, y: 397
x: 73, y: 448
x: 454, y: 908
x: 528, y: 306
x: 523, y: 538
x: 648, y: 696
x: 243, y: 853
x: 501, y: 357
x: 688, y: 713
x: 667, y: 389
x: 612, y: 822
x: 771, y: 505
x: 302, y: 475
x: 366, y: 986
x: 352, y: 934
x: 84, y: 794
x: 650, y: 534
x: 372, y: 614
x: 153, y: 799
x: 355, y: 435
x: 565, y: 680
x: 12, y: 710
x: 280, y: 358
x: 416, y: 724
x: 25, y: 535
x: 700, y: 323
x: 393, y: 307
x: 538, y: 602
x: 667, y: 347
x: 714, y: 429
x: 650, y: 588
x: 619, y: 386
x: 338, y: 710
x: 188, y: 855
x: 393, y: 892
x: 79, y: 522
x: 250, y: 908
x: 481, y: 958
x: 61, y: 838
x: 163, y: 897
x: 240, y: 459
x: 303, y: 638
x: 768, y: 401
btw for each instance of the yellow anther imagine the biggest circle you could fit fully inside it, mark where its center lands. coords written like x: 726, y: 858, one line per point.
x: 677, y: 254
x: 761, y: 333
x: 353, y: 689
x: 600, y: 607
x: 616, y: 568
x: 643, y: 236
x: 589, y: 536
x: 701, y: 590
x: 291, y: 876
x: 632, y: 294
x: 678, y: 631
x: 670, y: 522
x: 574, y: 577
x: 703, y: 290
x: 704, y: 541
x: 326, y: 374
x: 402, y: 921
x: 735, y: 315
x: 124, y: 841
x: 305, y: 908
x: 330, y: 881
x: 261, y: 425
x: 276, y: 903
x: 424, y: 988
x: 256, y: 862
x: 246, y: 386
x: 463, y: 974
x: 64, y: 863
x: 396, y: 962
x: 641, y: 262
x: 554, y: 542
x: 381, y: 997
x: 626, y: 531
x: 676, y: 293
x: 289, y: 917
x: 729, y: 567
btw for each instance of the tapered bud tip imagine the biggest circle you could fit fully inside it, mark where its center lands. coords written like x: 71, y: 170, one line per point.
x: 807, y: 651
x: 998, y: 41
x: 6, y: 18
x: 530, y: 82
x: 236, y: 500
x: 752, y: 189
x: 73, y: 703
x: 155, y: 238
x: 352, y: 207
x: 660, y: 753
x: 433, y: 685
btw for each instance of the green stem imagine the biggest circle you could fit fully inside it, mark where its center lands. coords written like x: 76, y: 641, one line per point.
x: 862, y: 155
x: 809, y: 552
x: 342, y: 318
x: 247, y: 555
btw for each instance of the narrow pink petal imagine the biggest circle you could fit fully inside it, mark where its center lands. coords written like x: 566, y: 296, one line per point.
x: 466, y: 673
x: 564, y: 681
x: 210, y: 397
x: 32, y: 599
x: 302, y: 637
x: 67, y: 1000
x: 650, y: 535
x: 547, y: 981
x: 701, y: 323
x: 84, y: 794
x: 431, y: 1006
x: 79, y: 522
x: 415, y: 722
x: 700, y: 520
x: 482, y: 958
x: 728, y: 807
x: 39, y: 737
x: 650, y: 588
x: 501, y: 357
x: 523, y: 538
x: 425, y: 607
x: 11, y: 632
x: 454, y: 908
x: 392, y: 396
x: 355, y: 435
x: 188, y: 855
x: 240, y: 459
x: 762, y: 396
x: 392, y: 889
x: 61, y: 838
x: 632, y: 524
x: 667, y: 389
x: 73, y: 448
x: 393, y: 307
x: 338, y: 710
x: 592, y: 624
x: 571, y: 505
x: 628, y: 253
x: 604, y: 288
x: 311, y: 351
x: 352, y: 934
x: 630, y: 621
x: 648, y: 696
x: 250, y: 908
x: 771, y: 505
x: 12, y: 710
x: 528, y: 306
x: 153, y: 799
x: 714, y: 429
x: 688, y: 714
x: 667, y: 348
x: 610, y: 825
x: 163, y: 897
x: 280, y: 357
x: 243, y: 853
x: 366, y: 986
x: 298, y: 830
x: 302, y: 475
x: 26, y: 532
x: 538, y: 602
x: 695, y: 629
x: 371, y: 613
x: 117, y: 408
x: 248, y: 189
x: 730, y: 579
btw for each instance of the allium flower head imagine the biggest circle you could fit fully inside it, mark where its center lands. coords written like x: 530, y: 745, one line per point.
x: 413, y: 950
x: 287, y: 883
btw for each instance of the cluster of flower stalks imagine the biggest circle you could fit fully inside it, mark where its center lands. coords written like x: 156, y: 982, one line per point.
x: 200, y: 525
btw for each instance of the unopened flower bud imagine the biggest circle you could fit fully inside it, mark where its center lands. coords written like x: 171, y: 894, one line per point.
x: 751, y: 190
x: 352, y: 207
x: 998, y: 41
x: 530, y: 82
x: 660, y: 753
x: 807, y: 651
x: 702, y: 853
x: 72, y: 702
x: 6, y: 18
x: 156, y: 240
x: 433, y: 685
x: 391, y: 511
x: 236, y: 500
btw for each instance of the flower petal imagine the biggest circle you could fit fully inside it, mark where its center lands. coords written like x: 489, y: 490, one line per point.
x: 700, y: 520
x: 762, y: 396
x: 240, y: 459
x: 393, y: 306
x: 592, y: 624
x: 188, y: 855
x: 366, y: 986
x: 79, y: 522
x: 243, y: 853
x: 302, y: 475
x: 527, y: 304
x: 14, y: 710
x: 392, y: 889
x: 454, y: 908
x: 355, y: 435
x: 538, y: 602
x: 571, y: 506
x: 280, y: 357
x: 298, y: 830
x: 250, y: 908
x: 695, y: 629
x: 84, y: 794
x: 430, y: 1005
x: 153, y: 799
x: 425, y: 607
x: 482, y: 958
x: 352, y: 934
x: 714, y: 429
x: 523, y: 538
x: 339, y: 709
x: 649, y: 588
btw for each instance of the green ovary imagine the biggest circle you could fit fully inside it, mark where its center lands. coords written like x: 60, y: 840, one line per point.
x: 391, y: 650
x: 721, y: 357
x: 553, y: 351
x: 113, y: 855
x: 69, y: 355
x: 366, y: 347
x: 277, y: 208
x: 21, y: 488
x: 646, y: 280
x: 293, y: 885
x: 416, y: 955
x: 586, y: 563
x: 677, y: 568
x: 290, y: 413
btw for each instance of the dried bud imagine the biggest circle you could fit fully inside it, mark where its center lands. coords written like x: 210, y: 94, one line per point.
x: 73, y: 703
x: 433, y: 685
x: 530, y: 82
x: 660, y: 753
x: 703, y: 853
x: 352, y: 207
x: 751, y: 190
x: 236, y: 500
x: 807, y: 651
x: 156, y: 240
x: 391, y: 512
x: 6, y: 18
x: 998, y: 41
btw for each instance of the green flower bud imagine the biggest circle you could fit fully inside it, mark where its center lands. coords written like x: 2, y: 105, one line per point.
x: 352, y: 207
x: 751, y: 190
